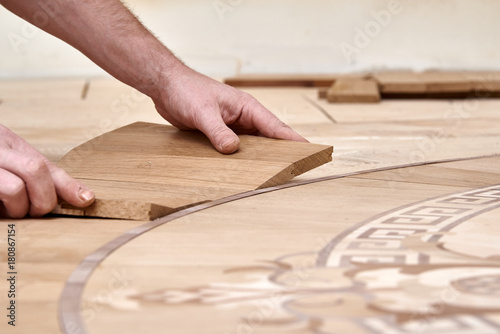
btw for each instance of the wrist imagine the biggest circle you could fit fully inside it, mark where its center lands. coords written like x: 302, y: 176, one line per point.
x: 161, y: 72
x: 170, y: 73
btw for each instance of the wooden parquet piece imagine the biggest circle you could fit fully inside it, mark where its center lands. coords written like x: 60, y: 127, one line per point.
x: 438, y: 84
x: 371, y: 87
x: 144, y: 171
x: 284, y: 80
x: 400, y: 82
x: 354, y: 90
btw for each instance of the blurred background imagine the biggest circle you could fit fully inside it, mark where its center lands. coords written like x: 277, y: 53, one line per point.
x: 231, y: 37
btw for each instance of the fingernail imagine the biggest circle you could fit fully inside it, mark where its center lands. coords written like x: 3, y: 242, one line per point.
x: 85, y: 194
x: 229, y: 145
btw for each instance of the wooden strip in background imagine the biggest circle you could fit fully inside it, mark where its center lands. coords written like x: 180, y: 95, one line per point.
x: 297, y: 80
x: 484, y: 84
x: 400, y: 82
x: 445, y: 82
x: 144, y: 171
x: 438, y: 84
x: 281, y: 81
x: 392, y: 84
x: 354, y: 90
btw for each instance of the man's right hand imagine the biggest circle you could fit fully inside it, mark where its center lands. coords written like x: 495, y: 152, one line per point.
x: 30, y: 184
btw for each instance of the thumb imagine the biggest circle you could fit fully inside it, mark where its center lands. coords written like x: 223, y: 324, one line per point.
x: 69, y: 189
x: 221, y: 137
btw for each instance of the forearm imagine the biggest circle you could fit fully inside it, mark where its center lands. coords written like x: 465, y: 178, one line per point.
x: 109, y: 34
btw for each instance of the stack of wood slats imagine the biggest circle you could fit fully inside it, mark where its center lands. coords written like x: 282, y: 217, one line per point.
x: 366, y: 87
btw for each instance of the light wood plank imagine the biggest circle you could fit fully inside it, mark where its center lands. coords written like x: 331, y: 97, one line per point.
x: 484, y: 84
x: 283, y: 80
x: 437, y: 82
x: 400, y: 82
x: 354, y: 90
x: 131, y: 162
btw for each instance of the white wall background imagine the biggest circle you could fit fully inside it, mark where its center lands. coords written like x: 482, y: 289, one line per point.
x: 229, y: 37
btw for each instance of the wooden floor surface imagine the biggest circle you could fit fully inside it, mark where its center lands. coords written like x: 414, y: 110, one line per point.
x: 361, y: 245
x: 368, y: 255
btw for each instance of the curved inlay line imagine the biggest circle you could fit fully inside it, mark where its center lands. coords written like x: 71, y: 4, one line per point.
x: 70, y: 319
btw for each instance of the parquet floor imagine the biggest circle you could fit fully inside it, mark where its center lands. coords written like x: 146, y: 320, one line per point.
x: 399, y: 234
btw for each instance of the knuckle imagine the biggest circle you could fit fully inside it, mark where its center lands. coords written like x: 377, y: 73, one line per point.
x: 35, y: 168
x: 249, y: 101
x: 200, y: 113
x: 218, y: 130
x: 245, y: 96
x: 14, y: 188
x: 12, y: 194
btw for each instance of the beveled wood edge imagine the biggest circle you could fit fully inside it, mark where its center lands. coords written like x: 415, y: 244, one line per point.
x: 300, y: 167
x: 70, y: 320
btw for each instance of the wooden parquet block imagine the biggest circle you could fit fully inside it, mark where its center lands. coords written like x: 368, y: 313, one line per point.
x: 442, y: 82
x: 290, y: 80
x: 143, y: 171
x: 438, y: 84
x: 400, y: 82
x: 354, y: 90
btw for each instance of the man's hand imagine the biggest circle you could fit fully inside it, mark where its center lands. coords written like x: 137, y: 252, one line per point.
x: 109, y: 34
x: 190, y: 100
x: 30, y: 184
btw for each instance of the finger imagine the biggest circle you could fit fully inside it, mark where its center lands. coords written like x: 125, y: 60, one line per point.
x: 270, y: 126
x: 13, y: 195
x: 69, y: 189
x: 221, y: 137
x: 33, y: 171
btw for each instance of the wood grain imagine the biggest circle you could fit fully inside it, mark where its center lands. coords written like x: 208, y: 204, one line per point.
x: 144, y: 171
x: 354, y: 90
